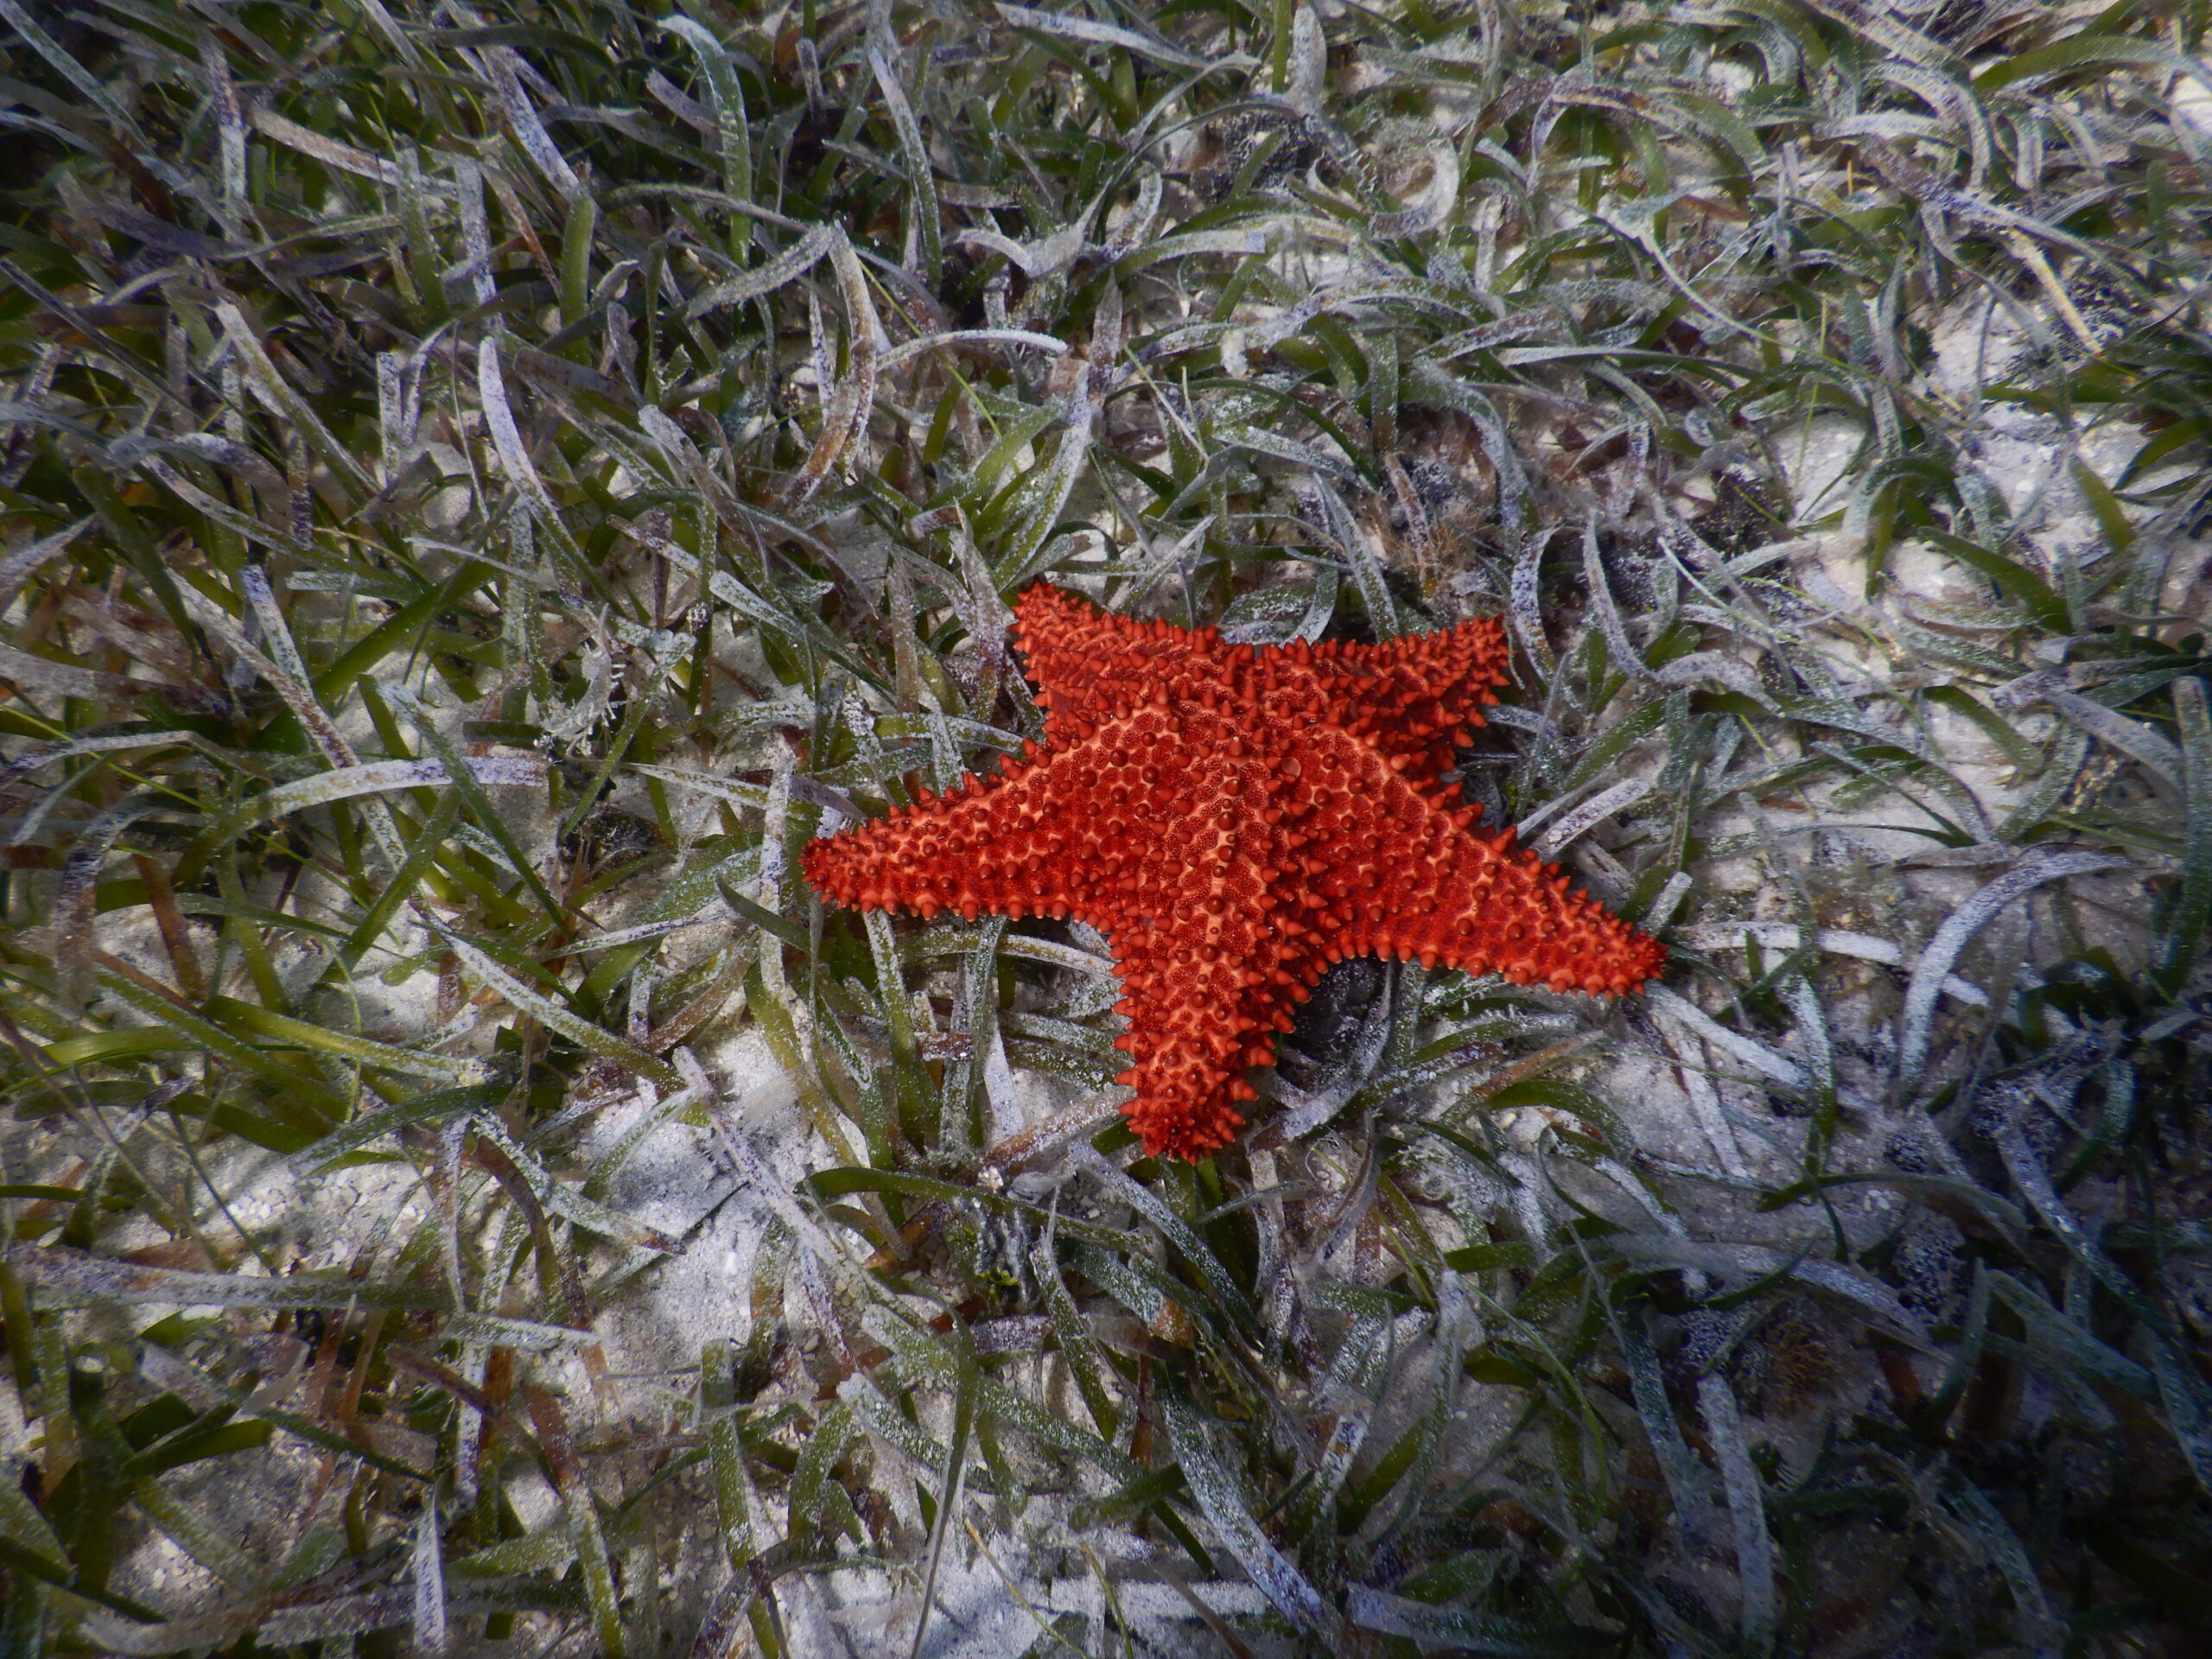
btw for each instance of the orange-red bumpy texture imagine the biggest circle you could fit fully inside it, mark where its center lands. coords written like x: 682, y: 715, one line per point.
x: 1235, y: 819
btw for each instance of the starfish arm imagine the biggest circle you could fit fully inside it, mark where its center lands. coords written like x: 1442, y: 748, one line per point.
x: 1209, y: 948
x: 1199, y: 1015
x: 1388, y: 871
x: 1064, y: 833
x: 1418, y: 695
x: 1502, y: 909
x: 1091, y: 665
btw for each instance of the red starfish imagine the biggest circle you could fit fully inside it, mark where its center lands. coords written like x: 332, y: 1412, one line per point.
x: 1235, y: 819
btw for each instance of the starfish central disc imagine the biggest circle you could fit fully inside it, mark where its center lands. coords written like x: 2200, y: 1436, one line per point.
x: 1235, y: 819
